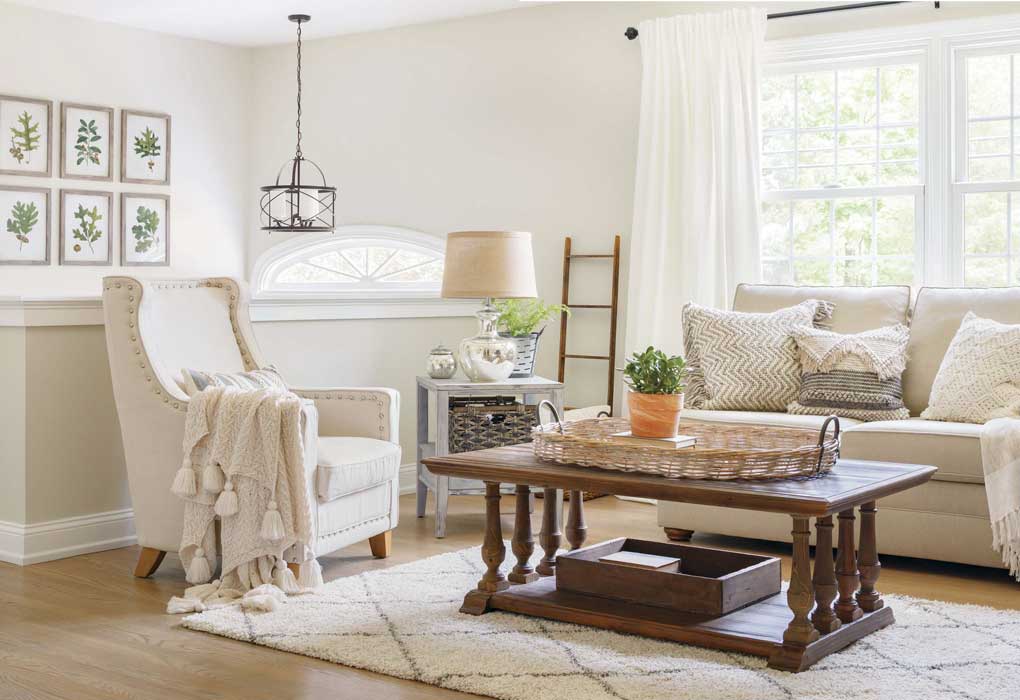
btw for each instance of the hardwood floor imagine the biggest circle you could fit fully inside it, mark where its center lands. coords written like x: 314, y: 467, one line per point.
x: 85, y: 628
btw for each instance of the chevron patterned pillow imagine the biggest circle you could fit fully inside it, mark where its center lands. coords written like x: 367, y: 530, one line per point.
x: 855, y: 376
x: 979, y: 378
x: 742, y: 361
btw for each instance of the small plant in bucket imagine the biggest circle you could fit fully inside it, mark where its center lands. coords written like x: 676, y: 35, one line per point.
x: 520, y: 319
x: 656, y: 383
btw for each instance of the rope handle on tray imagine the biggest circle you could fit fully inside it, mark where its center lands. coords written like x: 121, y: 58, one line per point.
x: 555, y: 412
x: 821, y: 440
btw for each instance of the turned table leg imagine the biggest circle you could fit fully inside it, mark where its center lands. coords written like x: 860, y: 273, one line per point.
x: 523, y: 543
x: 493, y: 552
x: 800, y: 597
x: 868, y: 598
x: 550, y: 536
x: 846, y: 569
x: 577, y: 529
x: 824, y: 580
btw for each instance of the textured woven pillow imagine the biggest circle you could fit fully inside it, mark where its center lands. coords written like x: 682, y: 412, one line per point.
x: 856, y: 376
x: 265, y: 378
x: 745, y: 361
x: 979, y: 378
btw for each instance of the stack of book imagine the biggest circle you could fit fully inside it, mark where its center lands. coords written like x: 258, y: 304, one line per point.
x: 673, y: 443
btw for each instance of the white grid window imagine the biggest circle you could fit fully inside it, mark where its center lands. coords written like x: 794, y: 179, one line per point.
x: 987, y: 165
x: 843, y: 172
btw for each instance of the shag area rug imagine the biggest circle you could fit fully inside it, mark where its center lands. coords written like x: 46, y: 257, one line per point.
x: 404, y: 622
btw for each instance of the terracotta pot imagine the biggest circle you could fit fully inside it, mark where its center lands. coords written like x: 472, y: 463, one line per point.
x: 654, y: 415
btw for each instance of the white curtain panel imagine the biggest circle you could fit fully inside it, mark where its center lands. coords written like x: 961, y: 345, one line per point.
x: 696, y: 195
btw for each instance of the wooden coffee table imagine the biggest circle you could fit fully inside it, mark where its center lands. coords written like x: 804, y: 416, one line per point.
x: 816, y: 615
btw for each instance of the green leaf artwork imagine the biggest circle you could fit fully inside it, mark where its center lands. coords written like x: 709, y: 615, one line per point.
x: 24, y: 138
x: 86, y: 145
x: 145, y: 229
x: 23, y: 219
x: 147, y: 146
x: 86, y: 230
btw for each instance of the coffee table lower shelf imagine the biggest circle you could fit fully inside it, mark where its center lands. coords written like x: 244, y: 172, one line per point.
x: 756, y: 629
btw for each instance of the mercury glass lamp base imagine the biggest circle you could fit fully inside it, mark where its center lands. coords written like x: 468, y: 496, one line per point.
x: 487, y: 357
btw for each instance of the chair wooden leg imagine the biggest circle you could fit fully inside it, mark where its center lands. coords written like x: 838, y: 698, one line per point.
x: 148, y: 561
x: 295, y: 568
x: 381, y: 544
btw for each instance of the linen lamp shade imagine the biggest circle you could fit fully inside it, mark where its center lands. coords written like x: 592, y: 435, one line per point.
x: 489, y: 264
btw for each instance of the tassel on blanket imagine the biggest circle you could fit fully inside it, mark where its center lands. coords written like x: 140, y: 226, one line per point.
x: 178, y: 606
x: 199, y: 571
x: 266, y: 598
x: 212, y: 479
x: 284, y: 579
x: 272, y: 524
x: 226, y: 504
x: 1006, y: 541
x: 185, y: 480
x: 310, y: 576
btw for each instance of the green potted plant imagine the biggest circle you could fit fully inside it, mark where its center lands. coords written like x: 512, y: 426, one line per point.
x: 655, y: 399
x: 518, y: 319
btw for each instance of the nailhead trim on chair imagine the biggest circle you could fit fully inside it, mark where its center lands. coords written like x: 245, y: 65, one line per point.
x: 134, y: 300
x: 366, y: 395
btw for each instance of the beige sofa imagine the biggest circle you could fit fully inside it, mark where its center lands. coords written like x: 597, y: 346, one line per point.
x: 946, y: 519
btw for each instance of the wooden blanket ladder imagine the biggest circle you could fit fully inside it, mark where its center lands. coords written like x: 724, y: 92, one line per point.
x: 612, y: 307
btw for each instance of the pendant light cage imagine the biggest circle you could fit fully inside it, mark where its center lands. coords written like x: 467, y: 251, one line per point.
x: 305, y: 203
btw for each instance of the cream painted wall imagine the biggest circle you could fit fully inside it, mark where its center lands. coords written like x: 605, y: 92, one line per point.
x: 12, y: 425
x: 73, y: 449
x: 203, y: 86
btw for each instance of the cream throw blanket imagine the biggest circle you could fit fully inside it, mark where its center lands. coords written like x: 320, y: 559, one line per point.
x: 244, y: 462
x: 1000, y: 455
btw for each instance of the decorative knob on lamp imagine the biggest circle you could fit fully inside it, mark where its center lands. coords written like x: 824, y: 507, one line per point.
x: 487, y: 265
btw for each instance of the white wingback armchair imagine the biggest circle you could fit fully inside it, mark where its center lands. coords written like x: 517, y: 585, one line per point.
x: 156, y: 328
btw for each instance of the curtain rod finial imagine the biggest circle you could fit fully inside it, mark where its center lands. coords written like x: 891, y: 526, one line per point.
x: 631, y: 33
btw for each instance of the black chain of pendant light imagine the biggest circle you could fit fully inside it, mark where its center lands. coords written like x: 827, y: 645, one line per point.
x: 297, y: 206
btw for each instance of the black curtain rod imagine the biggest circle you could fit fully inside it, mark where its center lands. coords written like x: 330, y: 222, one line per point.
x: 632, y: 33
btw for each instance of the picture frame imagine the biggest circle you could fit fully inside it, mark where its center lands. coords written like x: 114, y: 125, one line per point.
x: 25, y: 236
x: 86, y: 142
x: 86, y: 227
x: 26, y: 136
x: 144, y: 229
x: 144, y: 147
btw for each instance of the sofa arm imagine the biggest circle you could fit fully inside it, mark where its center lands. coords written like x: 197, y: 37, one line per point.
x: 372, y: 412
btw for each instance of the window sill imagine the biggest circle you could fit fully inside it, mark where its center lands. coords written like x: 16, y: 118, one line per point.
x: 304, y: 309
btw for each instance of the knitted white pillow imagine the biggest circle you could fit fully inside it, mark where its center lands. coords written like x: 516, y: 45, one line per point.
x: 979, y: 378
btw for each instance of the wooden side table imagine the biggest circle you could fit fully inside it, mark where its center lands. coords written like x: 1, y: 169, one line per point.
x: 531, y: 389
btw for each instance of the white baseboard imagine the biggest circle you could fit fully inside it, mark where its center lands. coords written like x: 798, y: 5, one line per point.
x: 408, y: 474
x: 68, y: 537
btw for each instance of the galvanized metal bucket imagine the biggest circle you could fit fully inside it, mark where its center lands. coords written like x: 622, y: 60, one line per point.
x: 527, y: 351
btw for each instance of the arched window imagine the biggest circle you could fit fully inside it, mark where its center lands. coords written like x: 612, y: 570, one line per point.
x: 358, y: 271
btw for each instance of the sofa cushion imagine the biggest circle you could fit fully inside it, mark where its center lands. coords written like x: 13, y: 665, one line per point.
x: 856, y: 308
x: 779, y: 420
x: 955, y: 448
x: 351, y: 464
x: 937, y: 315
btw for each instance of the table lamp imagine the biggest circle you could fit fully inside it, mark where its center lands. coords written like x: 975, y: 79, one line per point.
x: 488, y: 265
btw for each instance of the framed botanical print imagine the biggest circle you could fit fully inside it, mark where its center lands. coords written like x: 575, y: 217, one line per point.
x: 86, y: 142
x: 25, y: 215
x: 25, y: 129
x: 85, y: 227
x: 144, y: 229
x: 144, y: 147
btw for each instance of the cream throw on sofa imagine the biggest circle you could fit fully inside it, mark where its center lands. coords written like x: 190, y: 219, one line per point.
x: 244, y: 461
x: 1000, y: 456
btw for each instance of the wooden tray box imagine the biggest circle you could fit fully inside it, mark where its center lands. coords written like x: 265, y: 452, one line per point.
x: 710, y: 581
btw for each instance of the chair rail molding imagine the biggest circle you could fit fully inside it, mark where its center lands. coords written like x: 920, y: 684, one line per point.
x: 51, y: 311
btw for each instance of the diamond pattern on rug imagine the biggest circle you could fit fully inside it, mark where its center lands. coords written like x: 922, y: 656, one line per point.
x: 404, y: 622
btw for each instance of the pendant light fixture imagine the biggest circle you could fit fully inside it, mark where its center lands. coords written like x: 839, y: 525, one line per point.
x: 305, y: 203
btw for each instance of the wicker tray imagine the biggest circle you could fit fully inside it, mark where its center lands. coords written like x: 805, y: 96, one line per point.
x: 723, y: 451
